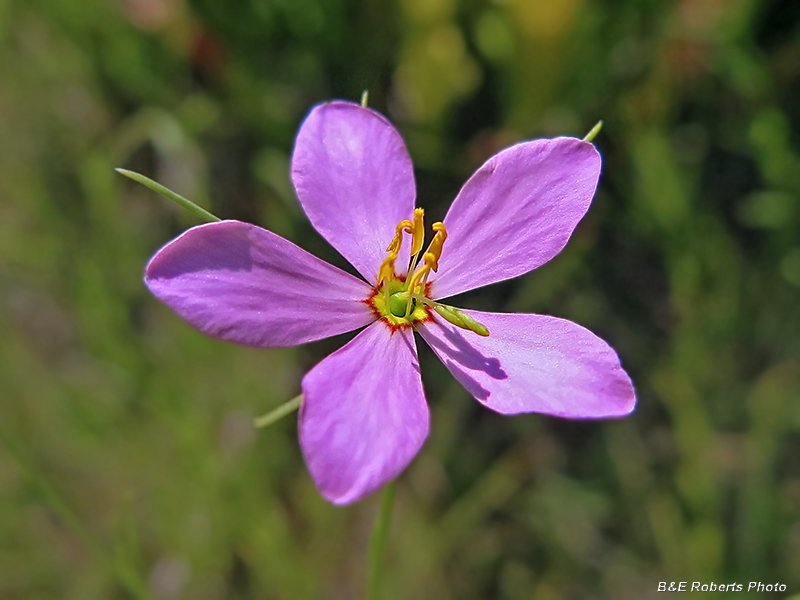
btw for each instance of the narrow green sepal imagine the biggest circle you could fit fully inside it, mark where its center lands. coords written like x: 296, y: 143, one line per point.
x: 365, y: 98
x: 277, y: 414
x: 170, y: 195
x: 594, y: 131
x: 461, y: 319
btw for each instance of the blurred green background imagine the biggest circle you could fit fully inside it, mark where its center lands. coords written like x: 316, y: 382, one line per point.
x: 129, y: 467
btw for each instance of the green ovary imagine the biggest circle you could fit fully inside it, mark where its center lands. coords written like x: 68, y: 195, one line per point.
x: 398, y: 303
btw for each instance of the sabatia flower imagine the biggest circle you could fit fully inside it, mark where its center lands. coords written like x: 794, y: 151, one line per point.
x: 364, y: 416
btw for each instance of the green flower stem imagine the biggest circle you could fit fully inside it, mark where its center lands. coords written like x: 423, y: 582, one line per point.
x: 170, y: 195
x: 377, y: 542
x: 277, y: 414
x: 593, y: 133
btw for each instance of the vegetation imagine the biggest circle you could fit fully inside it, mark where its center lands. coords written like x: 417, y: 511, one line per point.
x: 129, y: 464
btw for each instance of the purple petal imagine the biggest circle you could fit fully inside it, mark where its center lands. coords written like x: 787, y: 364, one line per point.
x: 355, y: 181
x: 244, y: 284
x: 364, y: 416
x: 534, y: 363
x: 516, y: 212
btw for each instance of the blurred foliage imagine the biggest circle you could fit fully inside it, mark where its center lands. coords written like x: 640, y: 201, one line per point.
x: 128, y: 464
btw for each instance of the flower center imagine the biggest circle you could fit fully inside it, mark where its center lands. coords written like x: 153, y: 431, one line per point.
x: 401, y: 301
x: 390, y: 303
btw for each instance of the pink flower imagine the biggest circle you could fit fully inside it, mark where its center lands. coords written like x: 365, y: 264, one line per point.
x: 364, y: 417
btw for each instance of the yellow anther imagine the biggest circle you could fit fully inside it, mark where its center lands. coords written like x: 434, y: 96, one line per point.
x: 437, y: 242
x: 397, y: 241
x: 431, y: 261
x: 418, y: 231
x: 386, y: 271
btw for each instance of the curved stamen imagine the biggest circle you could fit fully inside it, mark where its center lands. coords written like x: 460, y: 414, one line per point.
x: 410, y: 294
x: 397, y: 240
x: 436, y: 243
x: 418, y: 231
x: 430, y: 261
x: 386, y: 273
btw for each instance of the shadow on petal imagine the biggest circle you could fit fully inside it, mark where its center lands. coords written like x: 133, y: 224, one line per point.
x: 409, y: 342
x: 461, y: 352
x: 469, y: 383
